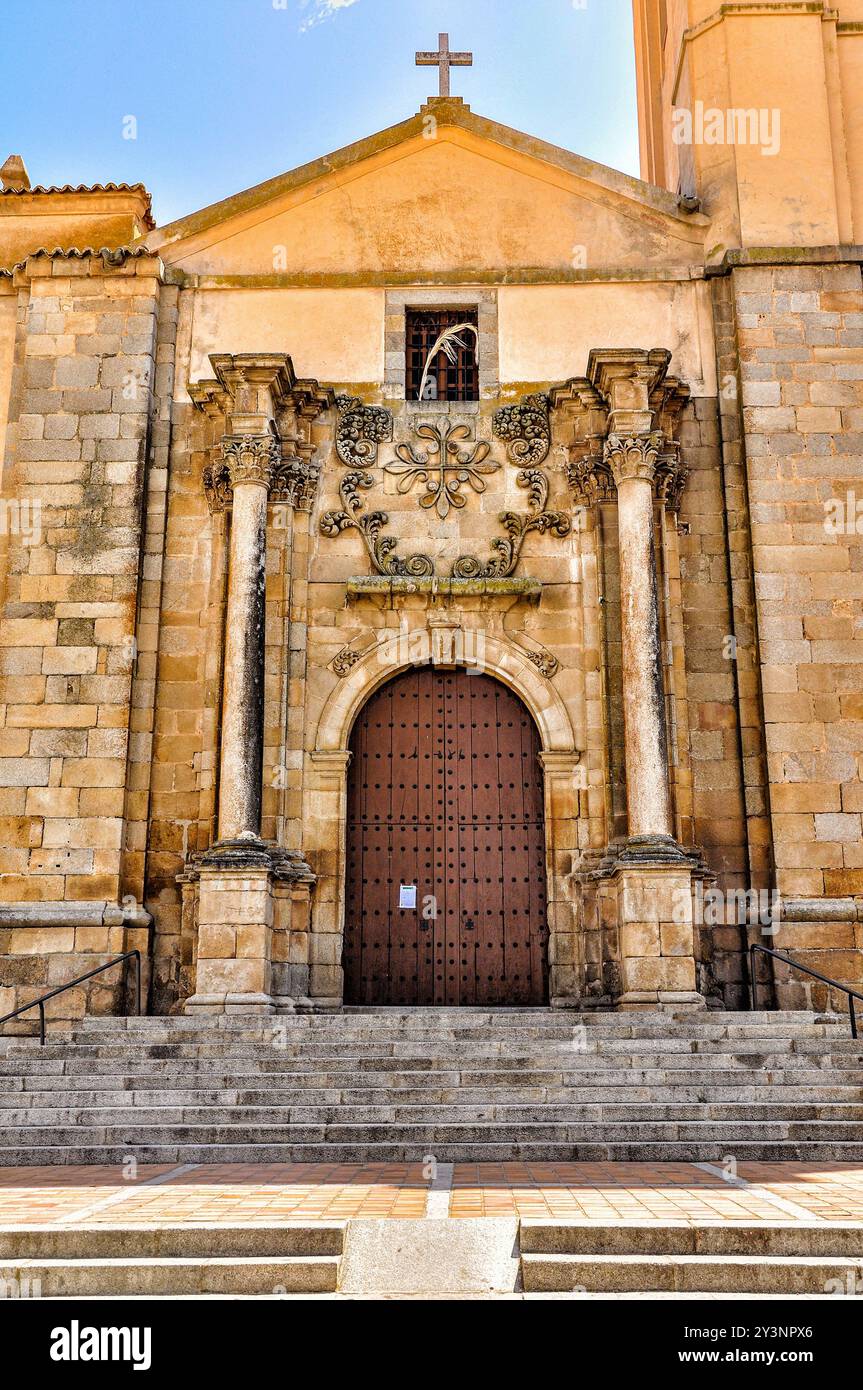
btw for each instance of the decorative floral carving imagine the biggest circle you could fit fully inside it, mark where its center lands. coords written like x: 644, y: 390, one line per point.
x: 670, y: 478
x: 525, y: 429
x: 246, y: 458
x: 217, y: 486
x: 370, y: 526
x: 346, y: 659
x: 295, y: 482
x: 590, y: 478
x: 545, y: 663
x: 507, y: 551
x: 444, y: 468
x: 361, y: 428
x: 633, y: 455
x: 250, y: 458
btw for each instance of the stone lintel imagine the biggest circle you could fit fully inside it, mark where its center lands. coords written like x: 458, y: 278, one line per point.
x: 373, y: 585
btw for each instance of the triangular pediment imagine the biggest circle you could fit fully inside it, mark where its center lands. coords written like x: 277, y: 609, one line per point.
x: 444, y: 192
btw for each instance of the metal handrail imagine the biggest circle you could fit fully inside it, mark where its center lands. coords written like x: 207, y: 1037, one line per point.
x: 789, y: 960
x: 40, y: 1002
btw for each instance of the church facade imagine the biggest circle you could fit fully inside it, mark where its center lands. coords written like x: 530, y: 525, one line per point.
x: 434, y: 576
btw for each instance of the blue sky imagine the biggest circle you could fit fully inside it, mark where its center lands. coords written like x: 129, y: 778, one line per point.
x: 226, y: 93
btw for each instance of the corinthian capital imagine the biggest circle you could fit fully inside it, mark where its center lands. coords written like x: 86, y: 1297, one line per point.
x: 633, y: 456
x: 250, y: 458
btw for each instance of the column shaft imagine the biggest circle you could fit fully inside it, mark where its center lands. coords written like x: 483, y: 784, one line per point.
x: 242, y: 743
x: 647, y: 789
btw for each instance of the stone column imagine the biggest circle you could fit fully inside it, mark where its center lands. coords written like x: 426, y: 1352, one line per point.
x: 250, y: 463
x: 235, y: 877
x: 653, y: 876
x: 632, y: 461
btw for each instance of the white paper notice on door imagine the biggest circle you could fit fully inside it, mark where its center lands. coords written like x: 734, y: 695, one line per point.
x: 407, y: 895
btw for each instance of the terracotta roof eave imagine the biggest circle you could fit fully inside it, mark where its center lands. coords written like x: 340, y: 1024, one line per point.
x: 111, y: 255
x: 42, y: 190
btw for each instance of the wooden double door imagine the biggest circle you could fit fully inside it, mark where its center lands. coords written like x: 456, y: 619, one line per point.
x: 445, y: 895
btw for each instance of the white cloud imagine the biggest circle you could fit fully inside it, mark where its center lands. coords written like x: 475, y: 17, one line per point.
x: 317, y: 11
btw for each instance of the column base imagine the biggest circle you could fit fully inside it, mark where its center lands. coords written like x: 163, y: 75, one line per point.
x: 235, y: 931
x: 652, y: 849
x: 655, y: 927
x: 244, y: 852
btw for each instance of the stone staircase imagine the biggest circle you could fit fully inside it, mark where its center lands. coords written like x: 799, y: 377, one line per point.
x: 668, y: 1257
x: 461, y: 1085
x: 159, y: 1261
x: 575, y: 1258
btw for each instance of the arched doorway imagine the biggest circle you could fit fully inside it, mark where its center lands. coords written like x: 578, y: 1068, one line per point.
x: 445, y: 892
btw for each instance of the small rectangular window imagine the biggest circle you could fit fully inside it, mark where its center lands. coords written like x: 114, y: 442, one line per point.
x: 453, y: 373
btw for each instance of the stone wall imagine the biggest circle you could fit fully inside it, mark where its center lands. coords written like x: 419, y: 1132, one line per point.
x: 800, y: 334
x: 75, y: 464
x: 56, y: 947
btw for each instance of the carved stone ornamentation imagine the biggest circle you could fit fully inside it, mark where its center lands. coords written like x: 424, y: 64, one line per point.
x: 360, y: 429
x: 345, y: 661
x: 266, y: 414
x: 250, y: 458
x: 445, y: 467
x: 525, y: 429
x: 371, y: 525
x: 517, y: 525
x: 295, y: 481
x: 216, y: 479
x: 670, y: 477
x: 590, y: 478
x: 633, y: 455
x: 545, y: 663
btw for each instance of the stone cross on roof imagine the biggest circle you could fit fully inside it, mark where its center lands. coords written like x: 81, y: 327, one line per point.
x: 444, y: 60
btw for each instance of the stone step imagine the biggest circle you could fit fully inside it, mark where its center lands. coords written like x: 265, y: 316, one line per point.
x: 606, y: 1048
x: 567, y: 1086
x: 841, y: 1239
x: 437, y: 1133
x: 323, y: 1026
x: 458, y: 1111
x: 395, y: 1150
x: 397, y: 1085
x: 166, y: 1077
x: 159, y: 1275
x: 183, y: 1260
x: 278, y: 1064
x: 464, y: 1017
x: 132, y: 1098
x: 193, y: 1239
x: 649, y: 1273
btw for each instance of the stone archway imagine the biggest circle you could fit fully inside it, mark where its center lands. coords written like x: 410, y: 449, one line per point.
x: 325, y: 813
x: 445, y: 889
